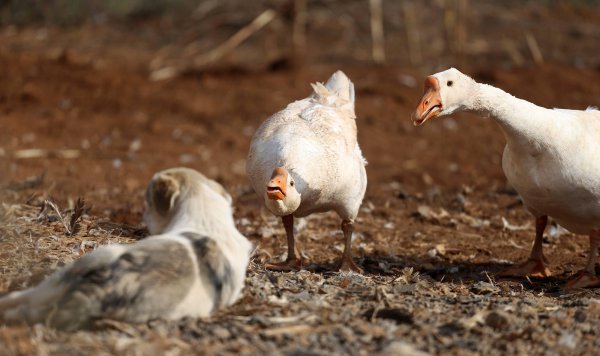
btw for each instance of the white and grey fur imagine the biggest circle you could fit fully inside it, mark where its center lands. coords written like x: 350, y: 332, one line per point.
x: 194, y: 264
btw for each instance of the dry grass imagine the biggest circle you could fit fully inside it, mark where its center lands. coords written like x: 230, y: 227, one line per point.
x: 34, y: 241
x: 402, y: 311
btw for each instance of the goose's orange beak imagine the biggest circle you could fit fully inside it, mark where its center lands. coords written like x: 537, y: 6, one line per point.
x: 431, y: 102
x: 277, y: 186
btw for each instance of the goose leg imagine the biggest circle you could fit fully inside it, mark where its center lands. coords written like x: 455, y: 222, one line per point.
x: 587, y: 277
x: 293, y: 262
x: 347, y: 263
x: 535, y: 266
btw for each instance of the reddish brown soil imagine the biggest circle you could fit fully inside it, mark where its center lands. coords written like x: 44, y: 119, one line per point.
x: 125, y: 127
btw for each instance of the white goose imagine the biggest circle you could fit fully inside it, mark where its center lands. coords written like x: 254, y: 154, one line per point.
x: 551, y: 158
x: 195, y: 264
x: 306, y: 159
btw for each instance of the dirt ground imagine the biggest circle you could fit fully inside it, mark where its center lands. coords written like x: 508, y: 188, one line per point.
x: 79, y: 117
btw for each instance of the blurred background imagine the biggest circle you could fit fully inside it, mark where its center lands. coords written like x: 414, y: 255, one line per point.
x: 423, y: 34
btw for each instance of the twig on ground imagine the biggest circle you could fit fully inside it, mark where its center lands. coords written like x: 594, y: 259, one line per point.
x: 412, y: 34
x: 508, y: 226
x: 42, y: 153
x: 78, y: 211
x: 70, y: 223
x: 299, y: 29
x: 534, y: 48
x: 49, y: 204
x: 378, y: 50
x: 217, y: 53
x: 513, y: 52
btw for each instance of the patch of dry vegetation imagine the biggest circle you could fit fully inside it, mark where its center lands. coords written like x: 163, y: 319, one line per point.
x: 404, y: 312
x: 37, y: 238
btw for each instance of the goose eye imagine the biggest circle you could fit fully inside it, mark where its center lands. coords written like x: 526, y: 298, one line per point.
x: 450, y: 83
x: 292, y: 183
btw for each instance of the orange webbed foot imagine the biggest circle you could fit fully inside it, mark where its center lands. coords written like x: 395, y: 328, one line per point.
x: 583, y: 279
x: 530, y: 268
x: 291, y: 264
x: 348, y: 265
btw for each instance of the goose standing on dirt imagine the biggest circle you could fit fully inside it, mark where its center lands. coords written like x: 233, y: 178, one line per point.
x: 551, y: 158
x: 306, y: 159
x: 195, y: 264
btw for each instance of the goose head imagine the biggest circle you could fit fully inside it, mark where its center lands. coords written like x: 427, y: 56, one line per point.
x: 178, y: 197
x: 444, y: 93
x: 281, y: 194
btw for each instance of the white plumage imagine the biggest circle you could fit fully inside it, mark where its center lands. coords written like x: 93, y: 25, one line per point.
x: 551, y: 158
x: 194, y: 264
x: 305, y: 159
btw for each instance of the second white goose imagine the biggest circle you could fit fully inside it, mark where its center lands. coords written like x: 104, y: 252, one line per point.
x: 551, y: 158
x: 306, y: 159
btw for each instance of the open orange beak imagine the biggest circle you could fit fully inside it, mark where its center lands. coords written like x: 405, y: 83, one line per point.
x: 276, y: 188
x: 431, y: 102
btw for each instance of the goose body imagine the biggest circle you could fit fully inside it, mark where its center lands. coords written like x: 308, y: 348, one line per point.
x: 312, y: 144
x: 557, y: 175
x: 551, y: 158
x: 193, y: 265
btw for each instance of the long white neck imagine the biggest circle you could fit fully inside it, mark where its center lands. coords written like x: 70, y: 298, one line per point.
x: 522, y: 122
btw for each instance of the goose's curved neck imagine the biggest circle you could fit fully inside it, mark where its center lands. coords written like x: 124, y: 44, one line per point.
x: 521, y: 121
